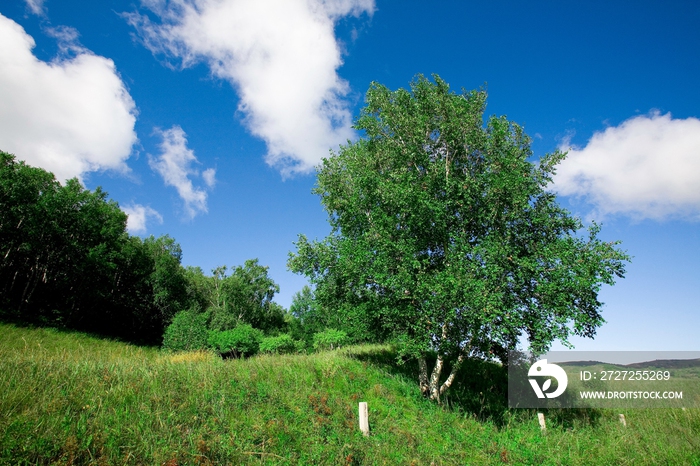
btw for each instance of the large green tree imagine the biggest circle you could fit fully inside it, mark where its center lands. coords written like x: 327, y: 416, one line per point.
x: 446, y: 238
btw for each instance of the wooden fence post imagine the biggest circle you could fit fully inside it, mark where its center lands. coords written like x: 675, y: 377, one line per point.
x: 364, y: 419
x: 543, y: 426
x: 622, y: 420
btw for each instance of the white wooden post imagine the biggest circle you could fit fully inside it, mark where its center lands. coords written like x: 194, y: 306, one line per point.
x: 622, y: 420
x: 543, y: 426
x: 364, y: 419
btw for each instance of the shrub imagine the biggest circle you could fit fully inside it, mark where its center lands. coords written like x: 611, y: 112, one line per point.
x: 243, y: 340
x: 282, y: 344
x: 187, y: 332
x: 300, y: 346
x: 329, y: 339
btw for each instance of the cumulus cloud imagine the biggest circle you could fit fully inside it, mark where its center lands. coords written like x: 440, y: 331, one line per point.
x: 70, y: 116
x: 280, y: 55
x: 138, y: 216
x: 647, y: 167
x: 174, y: 164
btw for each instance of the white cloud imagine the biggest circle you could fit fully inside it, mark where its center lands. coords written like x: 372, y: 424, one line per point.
x: 280, y: 55
x: 36, y: 6
x: 67, y: 38
x: 174, y: 165
x: 70, y: 116
x: 138, y: 215
x: 209, y: 177
x: 647, y: 167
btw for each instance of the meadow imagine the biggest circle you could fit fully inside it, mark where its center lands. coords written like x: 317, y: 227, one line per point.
x: 68, y: 398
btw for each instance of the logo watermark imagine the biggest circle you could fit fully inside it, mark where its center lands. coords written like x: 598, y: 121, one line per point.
x: 604, y: 379
x: 540, y: 369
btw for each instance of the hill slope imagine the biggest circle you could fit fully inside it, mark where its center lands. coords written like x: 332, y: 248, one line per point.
x: 66, y: 398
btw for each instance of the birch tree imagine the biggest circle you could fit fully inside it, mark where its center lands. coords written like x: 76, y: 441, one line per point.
x: 445, y: 237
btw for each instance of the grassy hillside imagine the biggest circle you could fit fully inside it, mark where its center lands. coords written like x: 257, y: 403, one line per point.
x: 66, y: 398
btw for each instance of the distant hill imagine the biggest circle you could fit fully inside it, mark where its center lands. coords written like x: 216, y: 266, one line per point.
x: 667, y: 363
x: 657, y: 363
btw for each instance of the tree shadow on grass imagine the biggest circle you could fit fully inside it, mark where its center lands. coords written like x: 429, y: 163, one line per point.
x: 56, y: 327
x: 480, y: 390
x: 573, y: 418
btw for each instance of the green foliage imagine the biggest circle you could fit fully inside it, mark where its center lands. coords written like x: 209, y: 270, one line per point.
x: 304, y: 308
x: 67, y: 260
x: 281, y: 344
x: 243, y: 340
x: 54, y: 238
x: 330, y: 339
x: 445, y: 227
x: 244, y: 296
x: 167, y: 280
x: 445, y: 236
x: 306, y: 317
x: 66, y: 398
x: 187, y: 332
x: 198, y: 286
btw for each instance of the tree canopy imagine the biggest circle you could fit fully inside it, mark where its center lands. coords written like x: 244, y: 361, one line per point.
x: 445, y: 236
x: 242, y: 297
x: 67, y: 260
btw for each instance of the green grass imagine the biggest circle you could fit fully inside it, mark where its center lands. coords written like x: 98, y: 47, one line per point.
x: 66, y: 398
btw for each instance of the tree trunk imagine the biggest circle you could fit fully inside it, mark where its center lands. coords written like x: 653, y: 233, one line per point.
x: 437, y: 370
x: 423, y: 376
x: 451, y: 377
x: 435, y: 379
x: 435, y: 389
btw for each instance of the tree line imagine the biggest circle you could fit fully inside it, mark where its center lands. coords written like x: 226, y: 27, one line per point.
x: 66, y: 259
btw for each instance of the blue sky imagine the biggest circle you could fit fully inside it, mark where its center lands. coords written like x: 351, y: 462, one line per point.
x: 204, y: 118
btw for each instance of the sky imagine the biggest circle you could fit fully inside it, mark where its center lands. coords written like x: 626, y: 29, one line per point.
x: 204, y: 119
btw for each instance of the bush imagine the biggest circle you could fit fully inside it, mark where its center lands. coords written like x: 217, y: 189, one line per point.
x: 187, y: 332
x: 329, y: 339
x: 300, y: 346
x: 282, y: 344
x: 243, y: 340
